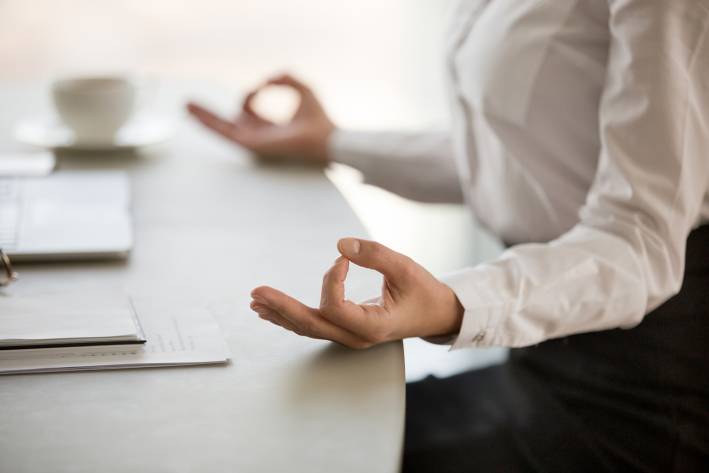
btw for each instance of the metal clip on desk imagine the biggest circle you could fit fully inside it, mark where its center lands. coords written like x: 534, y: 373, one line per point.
x: 7, y: 275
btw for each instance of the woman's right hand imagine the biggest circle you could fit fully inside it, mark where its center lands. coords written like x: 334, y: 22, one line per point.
x: 304, y: 137
x: 413, y: 302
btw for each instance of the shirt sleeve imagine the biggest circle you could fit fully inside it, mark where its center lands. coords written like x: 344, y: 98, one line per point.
x: 416, y: 166
x: 626, y: 256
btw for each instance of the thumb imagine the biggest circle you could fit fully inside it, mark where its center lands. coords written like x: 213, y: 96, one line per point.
x: 376, y: 256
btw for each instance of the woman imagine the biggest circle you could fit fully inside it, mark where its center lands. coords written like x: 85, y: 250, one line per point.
x: 581, y: 138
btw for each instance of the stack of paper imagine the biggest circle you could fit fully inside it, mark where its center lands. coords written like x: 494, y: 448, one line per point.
x: 175, y: 334
x: 42, y: 322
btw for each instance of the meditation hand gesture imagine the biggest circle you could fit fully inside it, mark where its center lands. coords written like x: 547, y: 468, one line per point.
x: 303, y: 138
x: 413, y: 302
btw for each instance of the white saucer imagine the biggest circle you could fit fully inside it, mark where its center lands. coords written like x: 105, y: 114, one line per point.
x: 48, y: 133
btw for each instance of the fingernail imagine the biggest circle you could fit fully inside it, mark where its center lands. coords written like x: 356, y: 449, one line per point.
x: 349, y: 246
x: 257, y: 308
x: 258, y: 299
x: 257, y: 305
x: 262, y: 312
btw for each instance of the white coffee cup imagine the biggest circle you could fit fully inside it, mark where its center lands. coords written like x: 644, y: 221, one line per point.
x: 95, y: 108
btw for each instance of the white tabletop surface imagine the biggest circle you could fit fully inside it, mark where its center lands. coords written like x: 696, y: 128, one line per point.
x: 209, y: 226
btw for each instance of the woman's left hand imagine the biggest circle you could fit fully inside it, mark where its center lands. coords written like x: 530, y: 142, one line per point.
x: 303, y: 138
x: 413, y: 302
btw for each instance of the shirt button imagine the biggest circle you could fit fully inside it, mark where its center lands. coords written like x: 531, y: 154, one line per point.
x: 479, y: 337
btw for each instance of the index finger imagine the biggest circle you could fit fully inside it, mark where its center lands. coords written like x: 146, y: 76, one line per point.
x: 290, y: 81
x: 333, y: 285
x: 346, y: 314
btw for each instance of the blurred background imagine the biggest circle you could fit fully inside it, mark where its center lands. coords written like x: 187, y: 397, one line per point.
x: 377, y: 64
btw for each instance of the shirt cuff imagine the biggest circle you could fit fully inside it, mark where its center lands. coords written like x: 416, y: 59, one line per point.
x: 483, y: 311
x: 343, y: 147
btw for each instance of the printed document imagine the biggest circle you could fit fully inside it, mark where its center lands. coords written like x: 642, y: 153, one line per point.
x: 176, y: 335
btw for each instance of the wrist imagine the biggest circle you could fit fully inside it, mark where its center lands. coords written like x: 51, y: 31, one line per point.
x: 449, y: 315
x: 456, y: 312
x: 325, y: 153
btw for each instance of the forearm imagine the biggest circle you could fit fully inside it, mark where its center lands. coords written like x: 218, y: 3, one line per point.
x: 416, y: 166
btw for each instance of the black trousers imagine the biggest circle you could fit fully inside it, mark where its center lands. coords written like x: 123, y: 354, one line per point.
x: 617, y: 400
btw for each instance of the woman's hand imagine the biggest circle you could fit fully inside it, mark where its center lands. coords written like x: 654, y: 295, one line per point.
x: 413, y: 302
x: 303, y: 138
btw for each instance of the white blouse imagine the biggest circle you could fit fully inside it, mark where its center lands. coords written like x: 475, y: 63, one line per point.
x: 581, y: 137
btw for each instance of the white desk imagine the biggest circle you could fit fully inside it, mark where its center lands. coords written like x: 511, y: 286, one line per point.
x: 210, y: 226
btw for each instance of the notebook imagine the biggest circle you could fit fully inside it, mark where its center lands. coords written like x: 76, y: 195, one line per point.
x: 177, y: 333
x: 62, y: 321
x: 67, y: 215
